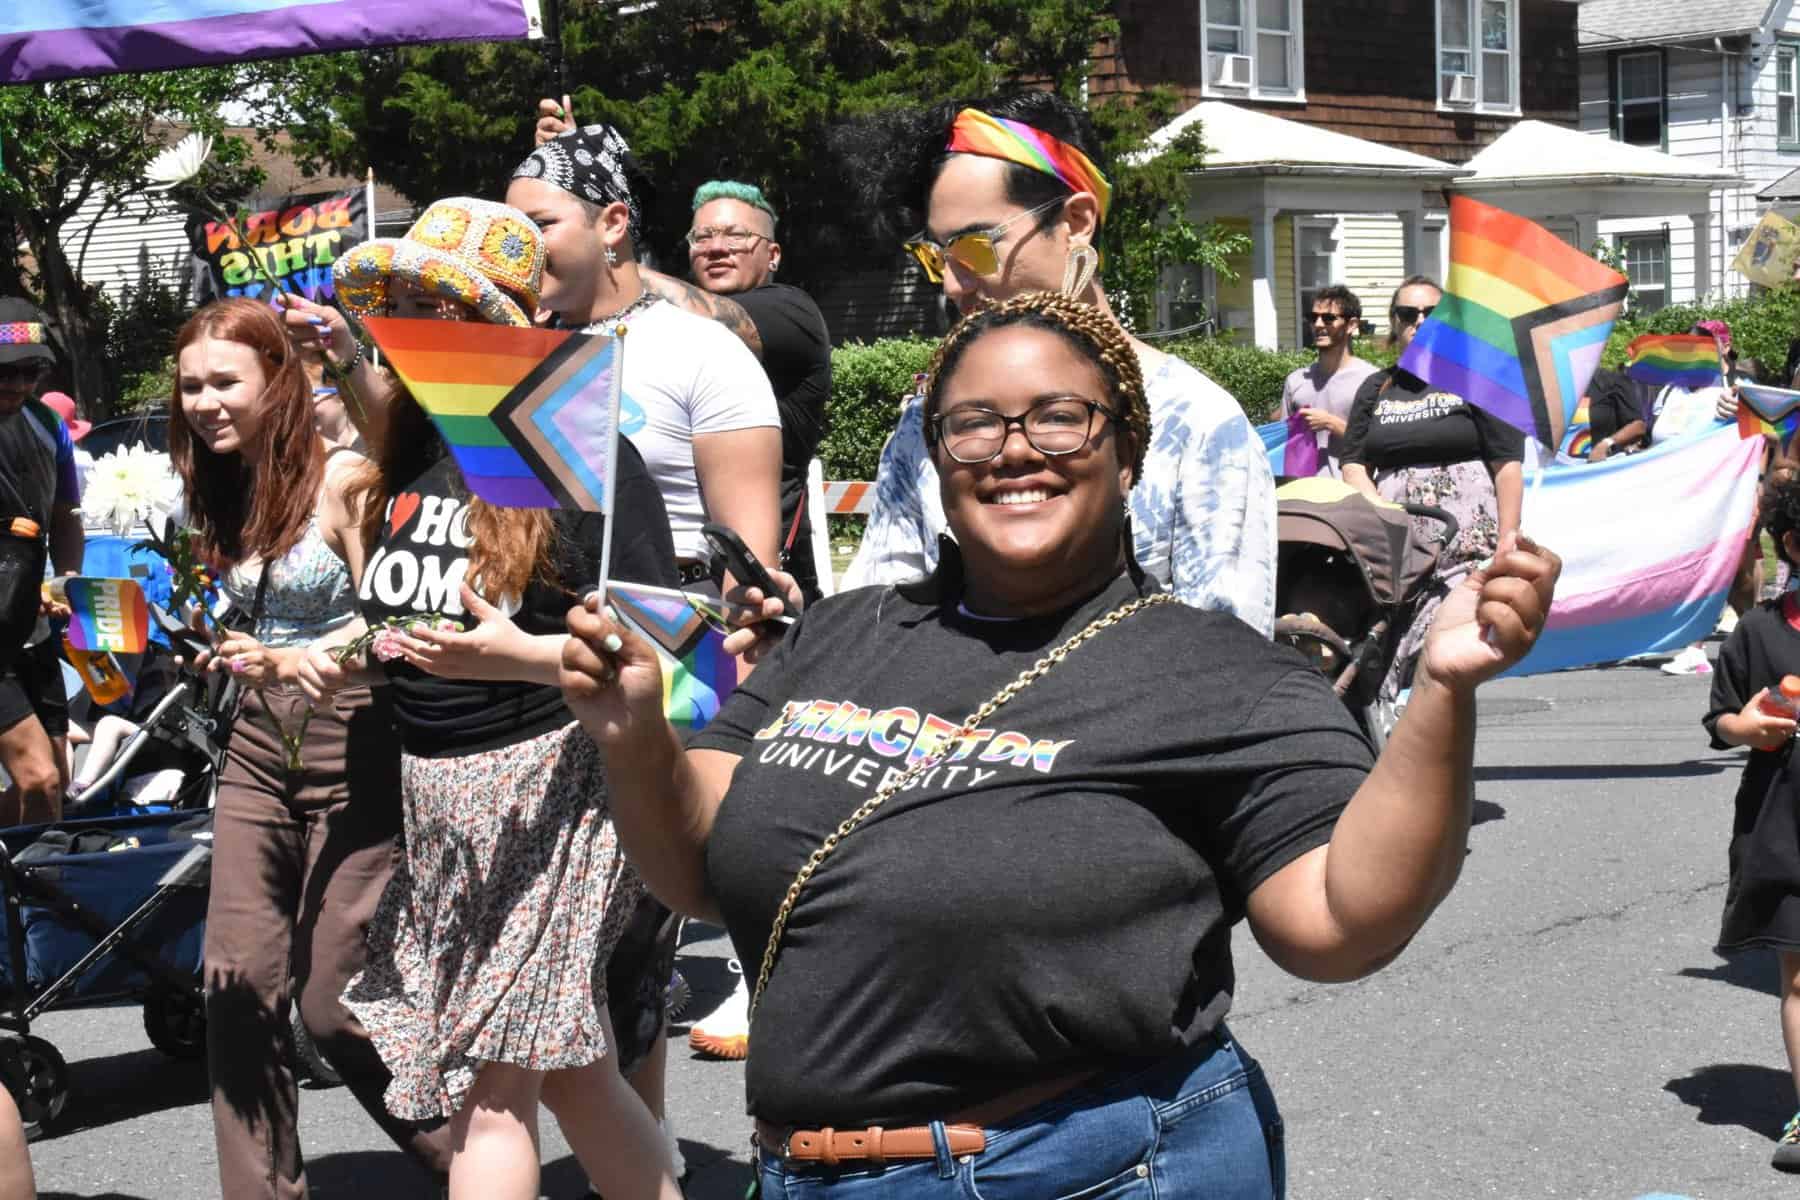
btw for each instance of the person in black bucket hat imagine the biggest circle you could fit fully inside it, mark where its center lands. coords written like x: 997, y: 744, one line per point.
x: 39, y: 496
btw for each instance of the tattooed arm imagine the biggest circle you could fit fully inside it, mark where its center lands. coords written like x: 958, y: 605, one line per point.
x: 723, y: 309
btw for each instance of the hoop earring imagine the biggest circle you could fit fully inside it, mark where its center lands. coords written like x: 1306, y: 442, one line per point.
x: 612, y: 257
x: 1078, y: 271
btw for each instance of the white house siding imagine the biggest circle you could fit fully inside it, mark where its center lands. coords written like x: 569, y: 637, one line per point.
x: 1372, y: 249
x: 128, y: 244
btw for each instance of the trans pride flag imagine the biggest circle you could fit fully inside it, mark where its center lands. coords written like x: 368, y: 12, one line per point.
x: 1770, y: 411
x: 59, y: 39
x: 1649, y: 544
x: 1522, y: 322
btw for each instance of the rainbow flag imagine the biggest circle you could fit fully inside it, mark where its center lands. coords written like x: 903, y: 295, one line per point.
x: 1768, y: 411
x: 688, y: 632
x: 532, y: 415
x: 107, y: 614
x: 1688, y: 360
x: 1653, y: 576
x: 59, y: 39
x: 1522, y: 322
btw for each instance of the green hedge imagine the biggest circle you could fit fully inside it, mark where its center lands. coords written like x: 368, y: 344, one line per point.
x: 1761, y: 327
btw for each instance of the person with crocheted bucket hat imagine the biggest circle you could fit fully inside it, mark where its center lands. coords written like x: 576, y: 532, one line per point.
x: 485, y: 987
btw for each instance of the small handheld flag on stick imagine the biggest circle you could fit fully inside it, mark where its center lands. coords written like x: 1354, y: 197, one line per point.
x: 1522, y: 322
x: 107, y: 614
x: 531, y: 415
x: 688, y: 631
x: 1768, y: 411
x: 1688, y: 360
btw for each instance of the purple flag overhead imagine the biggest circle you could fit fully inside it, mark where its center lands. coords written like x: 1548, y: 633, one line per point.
x: 58, y: 39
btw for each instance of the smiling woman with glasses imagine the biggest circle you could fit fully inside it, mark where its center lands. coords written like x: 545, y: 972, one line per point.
x: 1413, y: 443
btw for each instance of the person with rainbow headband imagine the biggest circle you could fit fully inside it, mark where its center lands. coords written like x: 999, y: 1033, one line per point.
x: 1007, y: 195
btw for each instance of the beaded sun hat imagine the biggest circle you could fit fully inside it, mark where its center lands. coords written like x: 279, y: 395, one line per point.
x: 488, y: 256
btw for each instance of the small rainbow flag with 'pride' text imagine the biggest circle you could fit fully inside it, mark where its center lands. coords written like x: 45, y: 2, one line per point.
x: 107, y: 614
x: 532, y: 415
x: 1768, y: 411
x: 1522, y: 322
x: 1686, y: 360
x: 688, y: 632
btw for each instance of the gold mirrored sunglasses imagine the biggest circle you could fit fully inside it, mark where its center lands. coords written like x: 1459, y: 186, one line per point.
x: 974, y: 252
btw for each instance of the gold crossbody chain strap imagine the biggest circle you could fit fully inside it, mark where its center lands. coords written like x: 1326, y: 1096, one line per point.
x: 882, y: 794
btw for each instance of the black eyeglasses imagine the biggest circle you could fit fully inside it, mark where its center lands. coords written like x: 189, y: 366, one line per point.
x: 1060, y: 425
x: 1406, y: 314
x: 1330, y: 318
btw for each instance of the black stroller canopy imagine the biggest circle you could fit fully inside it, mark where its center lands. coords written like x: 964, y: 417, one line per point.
x: 1393, y: 557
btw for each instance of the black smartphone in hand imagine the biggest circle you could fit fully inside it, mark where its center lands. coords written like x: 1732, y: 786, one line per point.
x: 743, y: 565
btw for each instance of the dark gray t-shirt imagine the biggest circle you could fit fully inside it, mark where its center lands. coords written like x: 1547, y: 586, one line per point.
x: 1058, y: 893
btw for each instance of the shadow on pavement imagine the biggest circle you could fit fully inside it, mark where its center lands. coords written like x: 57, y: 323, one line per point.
x: 121, y: 1087
x: 1680, y: 770
x: 712, y: 1175
x: 356, y: 1173
x: 1753, y: 971
x: 711, y: 980
x: 1753, y: 1097
x: 90, y: 1196
x: 1483, y: 811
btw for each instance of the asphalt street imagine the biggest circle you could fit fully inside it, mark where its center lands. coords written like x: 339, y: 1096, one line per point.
x: 1561, y: 1028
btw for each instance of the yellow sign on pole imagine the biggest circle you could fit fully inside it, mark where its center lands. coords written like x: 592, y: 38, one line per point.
x: 1770, y: 252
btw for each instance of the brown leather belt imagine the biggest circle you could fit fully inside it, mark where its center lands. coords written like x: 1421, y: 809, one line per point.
x: 874, y: 1144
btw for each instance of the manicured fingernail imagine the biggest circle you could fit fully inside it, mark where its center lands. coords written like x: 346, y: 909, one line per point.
x: 1491, y: 637
x: 1485, y: 563
x: 237, y: 665
x: 613, y: 643
x: 613, y: 615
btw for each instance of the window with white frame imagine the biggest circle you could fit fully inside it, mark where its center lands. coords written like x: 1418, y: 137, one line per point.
x: 1315, y: 266
x: 1787, y: 95
x: 1639, y: 101
x: 1478, y: 54
x: 1644, y: 257
x: 1253, y: 48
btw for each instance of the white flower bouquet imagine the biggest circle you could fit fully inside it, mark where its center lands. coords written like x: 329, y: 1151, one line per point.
x: 132, y: 485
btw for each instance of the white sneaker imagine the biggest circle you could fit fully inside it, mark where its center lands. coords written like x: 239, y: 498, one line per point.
x: 725, y: 1032
x: 1691, y: 661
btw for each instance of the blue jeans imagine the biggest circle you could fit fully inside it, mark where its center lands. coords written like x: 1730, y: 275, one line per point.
x: 1200, y: 1123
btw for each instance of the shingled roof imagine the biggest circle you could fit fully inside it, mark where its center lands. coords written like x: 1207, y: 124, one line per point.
x: 1648, y: 22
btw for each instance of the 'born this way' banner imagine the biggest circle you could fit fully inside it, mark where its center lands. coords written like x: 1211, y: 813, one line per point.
x: 62, y: 39
x: 297, y: 238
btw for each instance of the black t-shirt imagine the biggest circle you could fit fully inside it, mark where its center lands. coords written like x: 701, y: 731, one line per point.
x: 1615, y: 401
x: 28, y: 459
x: 1409, y: 423
x: 1756, y: 655
x: 1059, y: 893
x: 419, y: 565
x: 797, y: 357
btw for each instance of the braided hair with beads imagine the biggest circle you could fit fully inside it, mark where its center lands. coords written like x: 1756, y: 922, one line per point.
x: 1092, y: 332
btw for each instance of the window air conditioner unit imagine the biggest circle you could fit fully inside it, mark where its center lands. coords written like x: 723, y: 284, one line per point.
x: 1230, y: 70
x: 1462, y: 90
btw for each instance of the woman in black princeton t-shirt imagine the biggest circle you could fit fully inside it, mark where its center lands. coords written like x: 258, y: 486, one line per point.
x: 1009, y: 978
x: 1413, y: 443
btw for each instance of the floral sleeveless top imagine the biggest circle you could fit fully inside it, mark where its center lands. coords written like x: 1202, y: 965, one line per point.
x: 308, y: 596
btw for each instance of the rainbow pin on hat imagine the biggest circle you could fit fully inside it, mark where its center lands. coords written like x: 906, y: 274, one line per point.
x: 24, y: 333
x: 485, y: 255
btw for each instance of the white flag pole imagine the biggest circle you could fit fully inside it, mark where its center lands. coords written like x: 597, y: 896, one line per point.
x: 609, y: 501
x: 369, y: 219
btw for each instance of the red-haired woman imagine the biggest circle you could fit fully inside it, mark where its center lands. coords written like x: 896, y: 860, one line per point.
x: 302, y: 853
x: 485, y: 990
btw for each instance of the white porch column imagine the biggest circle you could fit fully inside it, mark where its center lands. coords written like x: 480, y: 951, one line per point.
x: 1412, y: 242
x: 1262, y: 277
x: 1703, y: 235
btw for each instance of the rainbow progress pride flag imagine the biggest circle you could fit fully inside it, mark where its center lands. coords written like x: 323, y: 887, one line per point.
x: 1770, y: 411
x: 532, y: 415
x: 59, y: 39
x: 688, y: 633
x: 107, y: 614
x: 1687, y: 360
x: 1522, y: 322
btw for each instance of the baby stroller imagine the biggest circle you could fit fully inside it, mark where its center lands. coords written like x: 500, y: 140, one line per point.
x: 110, y: 907
x: 1348, y: 580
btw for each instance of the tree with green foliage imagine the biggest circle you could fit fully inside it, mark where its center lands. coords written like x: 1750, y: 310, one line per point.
x: 76, y: 140
x: 743, y: 89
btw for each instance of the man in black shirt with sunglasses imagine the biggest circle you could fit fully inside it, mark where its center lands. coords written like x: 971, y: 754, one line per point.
x: 1324, y: 391
x: 39, y: 495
